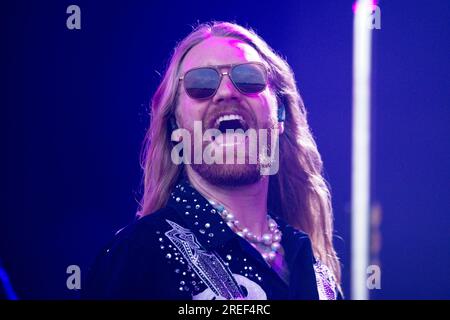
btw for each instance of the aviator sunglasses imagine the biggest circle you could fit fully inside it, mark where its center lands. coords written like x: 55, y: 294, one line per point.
x: 203, y: 82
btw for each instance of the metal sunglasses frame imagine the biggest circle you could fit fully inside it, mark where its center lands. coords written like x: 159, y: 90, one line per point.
x: 229, y: 67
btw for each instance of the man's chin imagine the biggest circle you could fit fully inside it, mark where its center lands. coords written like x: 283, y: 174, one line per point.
x: 228, y: 174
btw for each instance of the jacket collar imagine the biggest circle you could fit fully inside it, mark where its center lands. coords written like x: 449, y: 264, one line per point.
x: 208, y: 226
x: 212, y: 232
x: 199, y: 216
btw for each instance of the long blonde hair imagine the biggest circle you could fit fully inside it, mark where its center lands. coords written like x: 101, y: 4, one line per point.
x: 298, y: 192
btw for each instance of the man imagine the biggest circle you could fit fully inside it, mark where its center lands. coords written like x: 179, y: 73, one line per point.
x: 212, y: 229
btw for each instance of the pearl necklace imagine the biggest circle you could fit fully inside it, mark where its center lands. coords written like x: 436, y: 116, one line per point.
x: 268, y: 245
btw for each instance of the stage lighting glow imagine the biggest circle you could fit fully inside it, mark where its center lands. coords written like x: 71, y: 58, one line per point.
x: 361, y: 149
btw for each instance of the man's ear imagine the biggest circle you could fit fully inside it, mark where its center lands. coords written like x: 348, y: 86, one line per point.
x: 173, y: 125
x: 281, y: 114
x: 280, y: 127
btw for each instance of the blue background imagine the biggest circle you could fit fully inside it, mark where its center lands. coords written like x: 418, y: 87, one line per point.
x: 74, y: 112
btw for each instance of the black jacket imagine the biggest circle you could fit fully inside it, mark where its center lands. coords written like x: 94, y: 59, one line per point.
x: 186, y: 251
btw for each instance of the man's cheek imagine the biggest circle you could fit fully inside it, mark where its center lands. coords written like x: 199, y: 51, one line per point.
x: 185, y: 118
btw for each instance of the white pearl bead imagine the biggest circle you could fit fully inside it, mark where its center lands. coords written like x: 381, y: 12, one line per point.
x: 275, y: 246
x: 272, y: 224
x: 267, y: 238
x: 269, y: 242
x: 229, y: 217
x: 272, y: 255
x: 277, y: 237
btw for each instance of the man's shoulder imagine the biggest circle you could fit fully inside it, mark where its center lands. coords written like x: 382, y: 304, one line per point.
x: 136, y: 243
x: 132, y: 264
x: 143, y: 231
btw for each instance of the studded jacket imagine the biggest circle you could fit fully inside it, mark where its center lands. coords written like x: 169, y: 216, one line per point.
x: 186, y: 251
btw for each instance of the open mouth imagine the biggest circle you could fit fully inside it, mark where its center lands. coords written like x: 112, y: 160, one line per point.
x: 231, y: 122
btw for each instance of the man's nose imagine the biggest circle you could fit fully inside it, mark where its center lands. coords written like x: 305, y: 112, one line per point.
x: 226, y: 90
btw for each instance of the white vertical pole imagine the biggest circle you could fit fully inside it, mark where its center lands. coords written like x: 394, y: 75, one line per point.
x: 361, y: 149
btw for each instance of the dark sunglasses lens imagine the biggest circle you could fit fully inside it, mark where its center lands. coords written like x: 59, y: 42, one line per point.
x: 249, y: 78
x: 201, y: 83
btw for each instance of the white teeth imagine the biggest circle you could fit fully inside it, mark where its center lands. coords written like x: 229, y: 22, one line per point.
x: 228, y: 117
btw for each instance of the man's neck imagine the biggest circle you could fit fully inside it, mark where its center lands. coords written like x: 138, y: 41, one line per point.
x: 247, y: 203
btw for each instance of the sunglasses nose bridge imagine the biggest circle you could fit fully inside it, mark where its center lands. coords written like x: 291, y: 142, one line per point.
x: 226, y: 87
